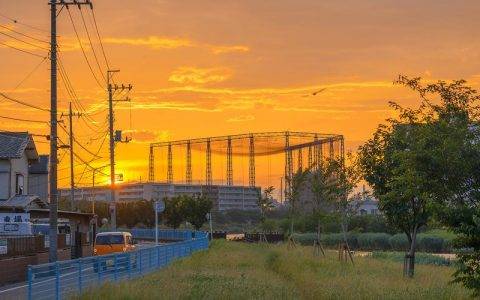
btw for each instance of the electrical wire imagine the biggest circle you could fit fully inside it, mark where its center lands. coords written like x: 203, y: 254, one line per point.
x: 91, y: 45
x: 83, y: 50
x: 30, y: 74
x: 22, y: 50
x: 76, y: 142
x: 23, y: 102
x: 25, y: 35
x: 100, y: 39
x: 22, y: 41
x: 24, y: 120
x: 24, y: 24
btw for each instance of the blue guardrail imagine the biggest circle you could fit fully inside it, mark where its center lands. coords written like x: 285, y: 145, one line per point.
x: 66, y: 278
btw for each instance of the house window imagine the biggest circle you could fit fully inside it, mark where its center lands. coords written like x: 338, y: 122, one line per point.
x: 19, y: 184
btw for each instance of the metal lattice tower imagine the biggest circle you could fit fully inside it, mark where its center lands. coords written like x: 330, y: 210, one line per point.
x: 310, y: 157
x: 288, y: 164
x: 331, y: 152
x: 251, y: 161
x: 170, y: 165
x: 229, y: 162
x: 300, y: 160
x: 188, y: 172
x: 208, y: 175
x: 258, y: 148
x: 151, y: 165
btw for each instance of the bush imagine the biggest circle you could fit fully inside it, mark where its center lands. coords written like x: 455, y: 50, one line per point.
x: 430, y: 243
x: 399, y: 242
x: 374, y: 241
x: 377, y: 241
x: 420, y: 258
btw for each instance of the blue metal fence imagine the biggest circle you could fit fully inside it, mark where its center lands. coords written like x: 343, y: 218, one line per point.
x: 64, y: 278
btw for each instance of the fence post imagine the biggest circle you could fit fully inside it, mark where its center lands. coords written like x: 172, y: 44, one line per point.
x: 115, y: 270
x: 30, y: 278
x: 57, y: 281
x: 79, y: 276
x: 98, y: 269
x: 140, y: 261
x: 129, y: 266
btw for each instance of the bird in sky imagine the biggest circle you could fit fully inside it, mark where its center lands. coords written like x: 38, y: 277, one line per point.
x: 315, y: 93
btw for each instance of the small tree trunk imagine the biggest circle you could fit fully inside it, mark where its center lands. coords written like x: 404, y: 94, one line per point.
x: 409, y: 263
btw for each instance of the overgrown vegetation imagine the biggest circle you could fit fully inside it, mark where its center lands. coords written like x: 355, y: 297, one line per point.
x: 427, y: 242
x: 231, y: 270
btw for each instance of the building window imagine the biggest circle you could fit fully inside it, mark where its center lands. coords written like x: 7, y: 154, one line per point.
x: 19, y: 184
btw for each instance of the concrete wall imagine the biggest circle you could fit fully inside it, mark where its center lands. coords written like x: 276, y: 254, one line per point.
x: 19, y: 166
x: 14, y: 269
x: 4, y: 179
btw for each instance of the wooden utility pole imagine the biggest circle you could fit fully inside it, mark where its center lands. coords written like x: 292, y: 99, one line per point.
x: 72, y: 175
x: 53, y: 191
x: 112, y: 88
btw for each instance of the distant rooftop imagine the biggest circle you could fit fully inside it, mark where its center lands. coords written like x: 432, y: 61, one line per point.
x: 13, y: 144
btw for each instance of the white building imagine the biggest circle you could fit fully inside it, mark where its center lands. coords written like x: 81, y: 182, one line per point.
x: 17, y: 152
x: 223, y: 197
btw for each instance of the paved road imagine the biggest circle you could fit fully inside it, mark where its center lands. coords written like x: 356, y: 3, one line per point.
x: 69, y: 277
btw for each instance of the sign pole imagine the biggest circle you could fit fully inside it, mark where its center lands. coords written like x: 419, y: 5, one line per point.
x: 156, y: 223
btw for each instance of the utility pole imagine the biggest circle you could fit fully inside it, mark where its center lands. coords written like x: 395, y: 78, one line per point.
x: 112, y: 88
x: 72, y: 176
x: 53, y: 214
x: 53, y: 192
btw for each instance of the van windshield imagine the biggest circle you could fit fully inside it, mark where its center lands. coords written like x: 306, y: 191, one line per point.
x: 109, y: 239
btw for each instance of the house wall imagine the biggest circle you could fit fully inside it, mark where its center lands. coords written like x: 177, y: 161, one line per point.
x: 19, y: 166
x: 4, y: 179
x: 38, y: 185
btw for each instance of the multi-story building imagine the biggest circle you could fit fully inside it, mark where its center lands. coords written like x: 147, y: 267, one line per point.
x: 223, y: 197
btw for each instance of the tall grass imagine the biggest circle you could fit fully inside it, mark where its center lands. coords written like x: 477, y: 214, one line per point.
x: 232, y: 270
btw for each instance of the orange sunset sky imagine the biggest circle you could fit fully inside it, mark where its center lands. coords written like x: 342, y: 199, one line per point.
x: 205, y: 68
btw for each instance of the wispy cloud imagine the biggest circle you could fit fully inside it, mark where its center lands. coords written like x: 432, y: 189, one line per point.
x: 157, y: 42
x: 147, y: 136
x: 245, y: 118
x: 189, y: 75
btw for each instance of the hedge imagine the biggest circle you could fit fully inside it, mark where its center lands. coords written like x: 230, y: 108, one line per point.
x: 380, y: 241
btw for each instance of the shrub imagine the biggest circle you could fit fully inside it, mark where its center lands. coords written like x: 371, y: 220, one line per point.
x: 374, y: 241
x: 420, y: 258
x: 428, y: 243
x: 399, y: 242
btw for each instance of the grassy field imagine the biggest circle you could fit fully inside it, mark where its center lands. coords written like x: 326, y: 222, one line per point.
x: 233, y: 270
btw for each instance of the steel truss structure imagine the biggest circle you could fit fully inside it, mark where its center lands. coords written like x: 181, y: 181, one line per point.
x: 317, y: 146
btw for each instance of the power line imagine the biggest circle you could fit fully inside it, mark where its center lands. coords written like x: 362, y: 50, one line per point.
x: 91, y: 44
x: 24, y: 24
x: 23, y: 120
x: 31, y: 73
x: 76, y: 142
x: 100, y: 39
x: 22, y: 41
x: 23, y: 102
x: 25, y: 35
x: 22, y: 50
x: 83, y: 50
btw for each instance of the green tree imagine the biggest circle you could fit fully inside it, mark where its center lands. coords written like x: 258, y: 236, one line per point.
x: 265, y: 202
x: 174, y: 213
x: 297, y: 186
x: 195, y: 209
x: 451, y: 118
x: 321, y: 184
